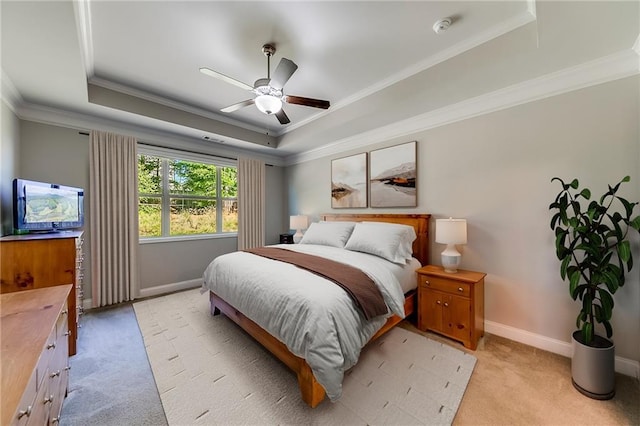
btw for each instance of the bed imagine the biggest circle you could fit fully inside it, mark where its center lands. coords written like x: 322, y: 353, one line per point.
x: 224, y: 298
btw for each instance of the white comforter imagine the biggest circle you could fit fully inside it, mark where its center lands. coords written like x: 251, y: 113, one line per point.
x: 314, y: 317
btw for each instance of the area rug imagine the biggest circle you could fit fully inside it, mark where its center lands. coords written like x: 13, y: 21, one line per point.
x: 209, y: 371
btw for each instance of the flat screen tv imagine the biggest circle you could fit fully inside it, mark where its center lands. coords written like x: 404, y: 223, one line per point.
x: 46, y: 207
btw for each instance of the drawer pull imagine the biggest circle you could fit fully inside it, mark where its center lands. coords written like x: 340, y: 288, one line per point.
x: 55, y: 420
x: 446, y: 305
x: 67, y: 368
x: 67, y: 333
x: 65, y: 312
x: 51, y: 345
x: 460, y: 289
x: 438, y: 302
x: 23, y: 413
x: 56, y: 374
x: 427, y: 282
x: 48, y: 399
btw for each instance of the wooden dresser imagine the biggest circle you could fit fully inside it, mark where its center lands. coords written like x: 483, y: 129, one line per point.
x: 34, y: 355
x: 33, y: 261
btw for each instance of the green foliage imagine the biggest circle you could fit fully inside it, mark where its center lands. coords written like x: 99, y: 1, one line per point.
x: 193, y: 188
x: 591, y: 244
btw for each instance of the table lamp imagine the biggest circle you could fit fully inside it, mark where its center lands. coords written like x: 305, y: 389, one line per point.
x: 298, y: 223
x: 451, y: 232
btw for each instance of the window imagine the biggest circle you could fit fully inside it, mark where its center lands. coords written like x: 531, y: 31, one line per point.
x: 185, y: 194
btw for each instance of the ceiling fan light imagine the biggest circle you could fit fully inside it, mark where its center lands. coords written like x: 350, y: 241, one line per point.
x: 268, y: 104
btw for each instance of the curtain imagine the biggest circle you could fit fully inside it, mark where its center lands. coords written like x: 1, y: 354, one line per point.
x: 113, y: 208
x: 251, y: 203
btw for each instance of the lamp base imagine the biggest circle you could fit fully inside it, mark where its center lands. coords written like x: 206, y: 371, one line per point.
x: 297, y: 236
x: 450, y: 262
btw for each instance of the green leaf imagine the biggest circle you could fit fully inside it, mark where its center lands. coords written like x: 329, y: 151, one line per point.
x: 624, y: 250
x: 599, y: 314
x: 606, y: 301
x: 574, y: 184
x: 635, y: 223
x: 563, y: 267
x: 607, y: 327
x: 626, y: 179
x: 574, y: 280
x: 586, y: 194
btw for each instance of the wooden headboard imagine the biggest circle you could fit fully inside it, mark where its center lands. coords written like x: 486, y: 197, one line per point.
x: 420, y: 223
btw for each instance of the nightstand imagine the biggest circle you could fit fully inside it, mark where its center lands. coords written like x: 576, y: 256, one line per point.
x: 451, y: 304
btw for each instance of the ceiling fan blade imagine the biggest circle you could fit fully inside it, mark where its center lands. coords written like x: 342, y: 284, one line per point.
x: 283, y: 73
x: 282, y: 117
x: 299, y: 100
x: 239, y: 105
x: 215, y: 74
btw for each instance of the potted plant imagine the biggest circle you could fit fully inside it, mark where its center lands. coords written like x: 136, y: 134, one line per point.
x: 592, y: 246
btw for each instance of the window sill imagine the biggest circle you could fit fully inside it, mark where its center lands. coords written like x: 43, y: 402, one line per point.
x: 153, y: 240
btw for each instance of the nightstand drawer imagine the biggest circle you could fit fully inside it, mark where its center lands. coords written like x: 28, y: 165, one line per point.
x: 448, y: 286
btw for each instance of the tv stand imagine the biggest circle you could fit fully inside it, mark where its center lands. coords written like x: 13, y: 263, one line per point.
x: 30, y: 261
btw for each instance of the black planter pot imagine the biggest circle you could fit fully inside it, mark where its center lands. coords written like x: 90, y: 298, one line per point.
x: 593, y: 367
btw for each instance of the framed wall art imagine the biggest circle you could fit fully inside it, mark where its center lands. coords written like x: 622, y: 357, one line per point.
x: 349, y: 182
x: 392, y: 176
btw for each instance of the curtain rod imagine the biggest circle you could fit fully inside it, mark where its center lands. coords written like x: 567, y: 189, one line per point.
x: 180, y: 149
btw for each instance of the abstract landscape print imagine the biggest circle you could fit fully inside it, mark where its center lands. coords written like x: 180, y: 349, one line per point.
x: 349, y: 182
x: 392, y: 176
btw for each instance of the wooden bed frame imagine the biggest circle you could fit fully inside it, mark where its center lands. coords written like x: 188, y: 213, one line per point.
x: 312, y: 392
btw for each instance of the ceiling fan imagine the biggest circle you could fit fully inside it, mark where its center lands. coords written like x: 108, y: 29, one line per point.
x: 269, y: 90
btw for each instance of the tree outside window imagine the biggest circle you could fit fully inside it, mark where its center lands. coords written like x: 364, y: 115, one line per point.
x: 182, y: 197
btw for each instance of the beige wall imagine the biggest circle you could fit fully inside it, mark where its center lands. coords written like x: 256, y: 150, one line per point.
x: 9, y: 167
x: 495, y: 171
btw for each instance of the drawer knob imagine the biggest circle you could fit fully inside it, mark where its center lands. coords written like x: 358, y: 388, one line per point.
x: 67, y: 368
x: 438, y: 302
x: 460, y: 289
x: 56, y: 374
x: 427, y: 282
x: 23, y: 413
x: 65, y: 312
x: 55, y: 420
x: 446, y: 305
x: 51, y: 345
x: 48, y: 399
x: 67, y: 333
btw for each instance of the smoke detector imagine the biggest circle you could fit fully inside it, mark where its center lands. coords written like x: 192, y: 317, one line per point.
x: 441, y: 25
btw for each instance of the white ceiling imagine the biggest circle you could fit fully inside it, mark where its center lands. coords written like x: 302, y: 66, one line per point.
x: 378, y: 63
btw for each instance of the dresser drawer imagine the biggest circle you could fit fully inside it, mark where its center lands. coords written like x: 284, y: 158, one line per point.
x: 445, y: 285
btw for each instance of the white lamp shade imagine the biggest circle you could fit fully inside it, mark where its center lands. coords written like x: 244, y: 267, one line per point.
x: 451, y: 231
x: 268, y: 104
x: 298, y: 222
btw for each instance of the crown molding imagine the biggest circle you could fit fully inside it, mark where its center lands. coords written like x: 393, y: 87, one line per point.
x: 86, y: 122
x: 455, y: 50
x: 82, y: 11
x: 10, y: 94
x: 609, y: 68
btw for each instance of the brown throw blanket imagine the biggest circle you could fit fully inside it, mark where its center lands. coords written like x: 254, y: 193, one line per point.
x: 362, y: 289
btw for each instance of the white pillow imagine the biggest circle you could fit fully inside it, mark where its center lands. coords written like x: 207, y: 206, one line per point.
x: 391, y: 241
x: 334, y: 234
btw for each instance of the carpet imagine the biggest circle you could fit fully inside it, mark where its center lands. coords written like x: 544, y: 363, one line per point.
x: 209, y: 371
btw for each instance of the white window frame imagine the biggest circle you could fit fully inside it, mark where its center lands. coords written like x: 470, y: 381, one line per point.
x: 167, y: 154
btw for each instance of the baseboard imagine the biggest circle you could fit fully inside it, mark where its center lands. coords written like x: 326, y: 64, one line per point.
x: 170, y: 288
x: 624, y: 366
x: 157, y: 291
